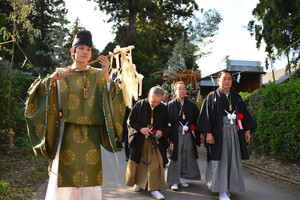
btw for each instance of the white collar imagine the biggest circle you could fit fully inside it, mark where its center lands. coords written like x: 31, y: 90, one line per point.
x: 165, y: 103
x: 74, y: 66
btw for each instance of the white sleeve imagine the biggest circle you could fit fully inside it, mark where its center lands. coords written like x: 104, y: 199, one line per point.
x: 108, y: 86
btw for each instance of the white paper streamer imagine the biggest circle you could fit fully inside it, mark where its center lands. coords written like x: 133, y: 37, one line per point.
x: 238, y: 78
x: 184, y: 127
x: 231, y: 116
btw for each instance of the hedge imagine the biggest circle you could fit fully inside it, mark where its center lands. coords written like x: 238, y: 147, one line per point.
x: 276, y: 110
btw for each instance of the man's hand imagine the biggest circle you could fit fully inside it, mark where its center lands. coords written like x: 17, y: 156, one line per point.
x: 247, y: 136
x: 158, y: 133
x: 105, y: 63
x: 60, y: 74
x: 202, y: 138
x: 145, y: 131
x: 210, y: 138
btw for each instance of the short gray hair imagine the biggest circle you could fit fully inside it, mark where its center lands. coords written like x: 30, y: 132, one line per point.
x: 157, y: 91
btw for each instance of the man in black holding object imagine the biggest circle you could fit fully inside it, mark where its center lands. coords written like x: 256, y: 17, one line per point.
x: 148, y: 127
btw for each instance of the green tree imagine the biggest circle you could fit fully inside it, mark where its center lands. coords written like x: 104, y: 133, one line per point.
x: 277, y: 24
x: 65, y: 58
x: 16, y: 24
x: 50, y: 18
x: 200, y: 33
x: 15, y: 29
x: 13, y: 93
x: 153, y: 27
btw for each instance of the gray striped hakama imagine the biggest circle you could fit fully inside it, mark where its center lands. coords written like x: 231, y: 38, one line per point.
x: 186, y: 166
x: 227, y: 174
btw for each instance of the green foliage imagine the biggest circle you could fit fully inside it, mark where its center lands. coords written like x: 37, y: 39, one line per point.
x: 245, y: 96
x: 4, y: 190
x: 39, y: 29
x: 23, y: 142
x: 154, y: 27
x: 18, y: 24
x: 277, y: 112
x: 15, y: 22
x: 150, y: 82
x: 189, y: 46
x: 296, y: 75
x: 3, y: 18
x: 49, y: 17
x: 198, y: 104
x: 12, y: 98
x: 278, y: 26
x: 200, y: 30
x: 254, y: 102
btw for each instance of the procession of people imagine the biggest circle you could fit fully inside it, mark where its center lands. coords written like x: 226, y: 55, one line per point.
x: 73, y: 111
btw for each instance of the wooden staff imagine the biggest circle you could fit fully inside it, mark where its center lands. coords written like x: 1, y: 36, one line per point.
x: 94, y: 61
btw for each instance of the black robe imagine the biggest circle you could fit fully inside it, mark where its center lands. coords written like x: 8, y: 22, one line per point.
x: 140, y: 117
x: 191, y: 114
x: 211, y: 121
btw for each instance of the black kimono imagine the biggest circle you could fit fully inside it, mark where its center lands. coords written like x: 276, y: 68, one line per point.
x: 211, y: 121
x: 183, y: 150
x: 191, y: 115
x: 140, y: 117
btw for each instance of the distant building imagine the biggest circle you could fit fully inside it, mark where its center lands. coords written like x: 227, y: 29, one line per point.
x: 250, y: 73
x: 280, y: 76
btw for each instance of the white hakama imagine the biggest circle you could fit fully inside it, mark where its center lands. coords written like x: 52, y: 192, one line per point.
x: 227, y: 174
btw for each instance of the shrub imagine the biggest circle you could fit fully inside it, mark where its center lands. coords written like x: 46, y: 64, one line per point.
x: 245, y: 96
x: 12, y: 99
x: 253, y: 102
x: 277, y: 112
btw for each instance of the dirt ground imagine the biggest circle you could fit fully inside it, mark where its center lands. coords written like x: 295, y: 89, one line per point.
x: 20, y: 176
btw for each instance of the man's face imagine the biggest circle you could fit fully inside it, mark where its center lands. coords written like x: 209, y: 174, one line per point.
x: 82, y: 53
x: 154, y: 100
x: 225, y: 81
x: 180, y: 91
x: 165, y: 97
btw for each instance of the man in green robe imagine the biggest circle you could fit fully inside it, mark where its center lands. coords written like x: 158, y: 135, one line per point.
x: 69, y: 114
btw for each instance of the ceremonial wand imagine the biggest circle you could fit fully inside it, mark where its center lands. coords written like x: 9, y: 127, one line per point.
x: 94, y: 61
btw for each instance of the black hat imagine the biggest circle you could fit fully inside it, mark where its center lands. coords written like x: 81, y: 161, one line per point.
x: 83, y: 38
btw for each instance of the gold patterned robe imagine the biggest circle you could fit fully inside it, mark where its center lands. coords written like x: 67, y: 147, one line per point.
x: 89, y: 122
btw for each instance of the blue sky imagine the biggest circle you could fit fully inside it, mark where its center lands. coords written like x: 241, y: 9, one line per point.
x: 233, y: 38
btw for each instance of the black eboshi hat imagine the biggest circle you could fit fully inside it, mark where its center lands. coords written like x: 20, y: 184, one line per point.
x: 83, y: 38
